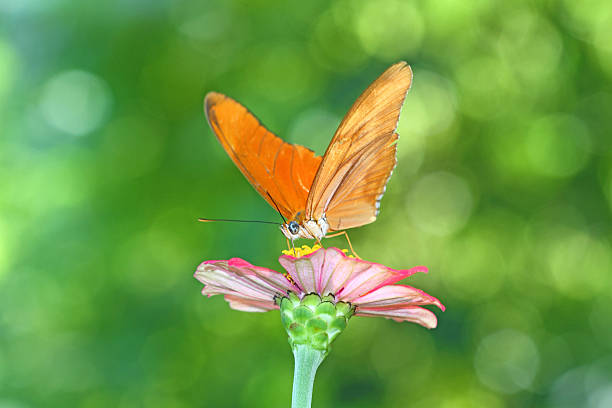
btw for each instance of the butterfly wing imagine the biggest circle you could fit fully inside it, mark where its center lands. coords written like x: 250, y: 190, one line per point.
x: 361, y: 156
x: 283, y: 170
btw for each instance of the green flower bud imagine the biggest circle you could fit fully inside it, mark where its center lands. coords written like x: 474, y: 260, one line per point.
x: 312, y: 320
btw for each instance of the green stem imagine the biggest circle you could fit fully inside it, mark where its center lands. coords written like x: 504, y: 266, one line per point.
x: 307, y: 360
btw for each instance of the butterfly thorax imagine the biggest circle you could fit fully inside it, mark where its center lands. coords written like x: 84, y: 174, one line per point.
x: 309, y: 229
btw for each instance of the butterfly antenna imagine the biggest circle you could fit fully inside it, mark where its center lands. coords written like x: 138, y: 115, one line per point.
x: 228, y: 220
x: 277, y: 209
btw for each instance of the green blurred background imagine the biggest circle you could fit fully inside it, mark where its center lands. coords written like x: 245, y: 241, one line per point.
x: 503, y: 189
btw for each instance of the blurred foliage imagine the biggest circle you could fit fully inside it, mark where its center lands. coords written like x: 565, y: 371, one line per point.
x: 503, y: 189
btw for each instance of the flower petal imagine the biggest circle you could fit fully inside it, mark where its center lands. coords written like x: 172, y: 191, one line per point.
x: 242, y: 283
x: 414, y: 314
x: 304, y: 275
x: 331, y: 271
x: 396, y: 296
x: 363, y: 279
x: 245, y: 305
x: 312, y: 272
x: 368, y: 285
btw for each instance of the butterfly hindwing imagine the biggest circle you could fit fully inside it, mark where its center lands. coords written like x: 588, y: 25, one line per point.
x: 355, y: 205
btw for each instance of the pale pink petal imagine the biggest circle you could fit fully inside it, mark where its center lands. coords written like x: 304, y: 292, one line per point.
x: 238, y: 301
x: 273, y: 278
x: 396, y: 296
x: 305, y: 275
x: 245, y: 305
x: 211, y: 290
x: 239, y: 279
x: 415, y: 314
x: 219, y: 281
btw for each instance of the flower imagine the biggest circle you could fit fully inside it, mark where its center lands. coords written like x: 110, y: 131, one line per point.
x: 317, y: 296
x: 368, y: 288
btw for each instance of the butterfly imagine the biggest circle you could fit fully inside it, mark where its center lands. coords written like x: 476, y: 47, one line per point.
x: 318, y: 195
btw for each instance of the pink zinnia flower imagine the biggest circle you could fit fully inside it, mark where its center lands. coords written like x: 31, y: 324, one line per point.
x: 369, y: 288
x: 316, y: 297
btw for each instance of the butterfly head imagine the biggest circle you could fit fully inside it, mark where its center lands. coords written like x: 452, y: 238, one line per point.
x: 293, y: 227
x: 292, y: 230
x: 310, y: 229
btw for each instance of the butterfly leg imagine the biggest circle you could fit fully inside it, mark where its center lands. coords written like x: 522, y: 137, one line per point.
x: 350, y: 245
x: 319, y: 241
x: 347, y: 240
x: 291, y: 247
x: 314, y: 235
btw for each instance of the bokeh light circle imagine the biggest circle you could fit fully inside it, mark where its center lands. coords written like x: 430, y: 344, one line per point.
x: 532, y: 40
x: 333, y: 42
x: 579, y: 263
x: 474, y: 267
x: 75, y: 102
x: 428, y: 112
x: 507, y: 361
x: 440, y: 203
x: 314, y: 128
x: 281, y: 72
x: 486, y: 98
x: 591, y: 20
x: 558, y: 146
x: 568, y: 389
x: 388, y: 366
x: 601, y: 398
x: 401, y: 32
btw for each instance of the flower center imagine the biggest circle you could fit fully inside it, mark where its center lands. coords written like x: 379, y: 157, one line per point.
x: 304, y: 250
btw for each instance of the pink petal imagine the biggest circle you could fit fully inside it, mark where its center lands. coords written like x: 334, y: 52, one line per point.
x: 312, y: 272
x: 245, y: 305
x: 327, y: 263
x: 396, y: 296
x: 331, y: 271
x: 363, y: 278
x: 238, y: 279
x: 404, y: 273
x: 414, y: 314
x: 304, y: 275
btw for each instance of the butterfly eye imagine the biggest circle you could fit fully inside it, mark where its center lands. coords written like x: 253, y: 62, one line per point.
x: 293, y: 227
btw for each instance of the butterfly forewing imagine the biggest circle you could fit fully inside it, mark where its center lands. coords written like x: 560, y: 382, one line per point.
x: 361, y: 156
x: 272, y: 166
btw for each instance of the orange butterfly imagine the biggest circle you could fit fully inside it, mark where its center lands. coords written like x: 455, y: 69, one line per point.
x: 316, y: 194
